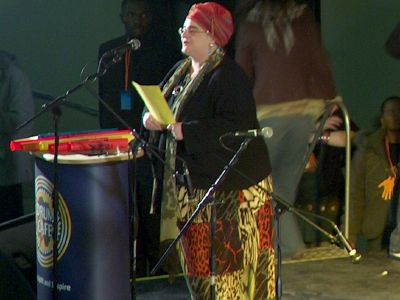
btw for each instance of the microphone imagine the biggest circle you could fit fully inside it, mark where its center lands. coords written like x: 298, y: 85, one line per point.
x: 266, y: 132
x: 115, y: 55
x: 133, y: 44
x: 188, y: 182
x: 352, y: 252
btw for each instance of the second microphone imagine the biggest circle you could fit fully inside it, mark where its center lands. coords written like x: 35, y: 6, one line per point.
x: 266, y: 132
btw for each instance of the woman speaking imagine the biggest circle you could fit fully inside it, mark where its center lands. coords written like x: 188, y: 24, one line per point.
x: 210, y: 96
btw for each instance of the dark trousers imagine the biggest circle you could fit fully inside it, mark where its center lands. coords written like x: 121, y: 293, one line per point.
x: 11, y: 205
x: 148, y: 235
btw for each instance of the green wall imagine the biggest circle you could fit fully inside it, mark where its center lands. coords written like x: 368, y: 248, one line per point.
x: 53, y: 40
x: 354, y: 34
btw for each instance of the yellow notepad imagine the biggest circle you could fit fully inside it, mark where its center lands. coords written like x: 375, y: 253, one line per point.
x: 155, y: 103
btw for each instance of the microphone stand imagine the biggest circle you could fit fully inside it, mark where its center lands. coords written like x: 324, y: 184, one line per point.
x: 279, y: 210
x: 207, y: 199
x: 56, y: 114
x: 137, y: 143
x: 134, y: 146
x: 73, y: 105
x: 54, y: 107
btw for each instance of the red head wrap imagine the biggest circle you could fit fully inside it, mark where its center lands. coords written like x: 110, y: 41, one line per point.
x: 215, y: 19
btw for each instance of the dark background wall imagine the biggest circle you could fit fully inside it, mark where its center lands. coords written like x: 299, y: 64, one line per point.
x: 354, y: 33
x: 53, y: 40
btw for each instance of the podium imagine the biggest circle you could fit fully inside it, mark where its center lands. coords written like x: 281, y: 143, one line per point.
x: 93, y: 226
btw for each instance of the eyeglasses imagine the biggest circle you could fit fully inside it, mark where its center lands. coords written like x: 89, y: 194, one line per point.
x: 191, y: 30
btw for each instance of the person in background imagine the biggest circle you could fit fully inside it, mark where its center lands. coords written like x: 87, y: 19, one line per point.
x: 147, y: 65
x: 374, y: 206
x: 16, y: 106
x: 210, y: 96
x: 278, y: 45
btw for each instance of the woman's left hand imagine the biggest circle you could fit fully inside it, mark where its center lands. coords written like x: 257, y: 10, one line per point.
x: 176, y: 130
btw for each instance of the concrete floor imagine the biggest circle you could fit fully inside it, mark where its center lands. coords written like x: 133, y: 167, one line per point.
x: 325, y: 273
x: 375, y: 277
x: 328, y: 277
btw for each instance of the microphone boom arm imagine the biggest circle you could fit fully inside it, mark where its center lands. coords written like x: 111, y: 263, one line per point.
x: 338, y: 240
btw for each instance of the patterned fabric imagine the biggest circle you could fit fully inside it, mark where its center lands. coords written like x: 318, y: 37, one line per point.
x: 215, y: 19
x: 245, y: 259
x: 168, y: 217
x: 276, y: 17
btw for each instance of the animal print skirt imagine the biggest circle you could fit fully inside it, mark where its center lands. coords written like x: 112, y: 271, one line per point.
x: 245, y: 259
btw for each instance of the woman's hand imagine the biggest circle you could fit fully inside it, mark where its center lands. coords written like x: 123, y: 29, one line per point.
x: 150, y: 123
x: 176, y: 130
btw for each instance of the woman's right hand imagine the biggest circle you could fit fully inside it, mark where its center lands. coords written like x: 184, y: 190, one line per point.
x: 150, y: 123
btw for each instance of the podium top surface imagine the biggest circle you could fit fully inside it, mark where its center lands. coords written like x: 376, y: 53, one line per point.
x: 86, y: 143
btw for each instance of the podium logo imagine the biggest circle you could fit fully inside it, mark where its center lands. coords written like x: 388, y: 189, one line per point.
x: 45, y: 223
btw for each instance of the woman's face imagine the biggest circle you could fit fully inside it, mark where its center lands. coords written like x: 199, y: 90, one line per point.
x: 195, y: 40
x: 390, y: 117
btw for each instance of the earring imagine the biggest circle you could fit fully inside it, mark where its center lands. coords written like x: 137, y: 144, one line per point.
x: 211, y: 48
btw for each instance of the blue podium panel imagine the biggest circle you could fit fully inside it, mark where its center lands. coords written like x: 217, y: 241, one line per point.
x: 93, y: 231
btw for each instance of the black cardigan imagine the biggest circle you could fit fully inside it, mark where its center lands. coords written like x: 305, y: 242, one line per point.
x: 222, y: 103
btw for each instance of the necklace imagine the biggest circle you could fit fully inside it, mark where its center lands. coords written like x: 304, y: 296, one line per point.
x: 179, y: 88
x: 388, y: 183
x: 392, y: 167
